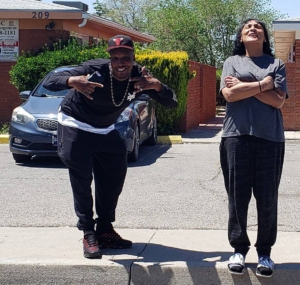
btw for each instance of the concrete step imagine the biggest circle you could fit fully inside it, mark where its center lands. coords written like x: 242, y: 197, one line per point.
x: 160, y: 257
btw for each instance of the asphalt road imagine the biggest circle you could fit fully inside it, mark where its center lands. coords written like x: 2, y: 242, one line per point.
x: 170, y: 187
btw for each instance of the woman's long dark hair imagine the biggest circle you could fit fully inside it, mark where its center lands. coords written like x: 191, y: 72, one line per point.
x: 239, y: 47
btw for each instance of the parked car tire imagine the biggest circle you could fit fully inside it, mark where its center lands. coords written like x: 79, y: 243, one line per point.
x: 134, y: 154
x: 152, y: 140
x: 19, y: 158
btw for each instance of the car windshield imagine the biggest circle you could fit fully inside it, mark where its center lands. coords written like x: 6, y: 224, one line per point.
x: 41, y: 91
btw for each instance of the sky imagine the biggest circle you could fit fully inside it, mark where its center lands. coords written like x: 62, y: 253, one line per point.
x: 290, y: 7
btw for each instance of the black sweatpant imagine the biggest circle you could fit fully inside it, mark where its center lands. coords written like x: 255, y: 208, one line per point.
x: 102, y: 156
x: 251, y: 164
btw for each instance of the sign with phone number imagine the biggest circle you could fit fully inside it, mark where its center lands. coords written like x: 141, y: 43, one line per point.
x: 9, y: 40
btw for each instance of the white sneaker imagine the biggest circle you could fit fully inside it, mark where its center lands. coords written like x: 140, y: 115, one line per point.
x: 236, y: 264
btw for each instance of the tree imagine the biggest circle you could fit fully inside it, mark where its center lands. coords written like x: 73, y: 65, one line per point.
x: 204, y: 29
x: 100, y: 8
x: 130, y: 13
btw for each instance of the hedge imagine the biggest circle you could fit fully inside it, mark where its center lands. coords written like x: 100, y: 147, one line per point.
x: 172, y: 69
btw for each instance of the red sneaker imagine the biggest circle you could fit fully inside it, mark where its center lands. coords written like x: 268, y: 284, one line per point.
x: 90, y: 245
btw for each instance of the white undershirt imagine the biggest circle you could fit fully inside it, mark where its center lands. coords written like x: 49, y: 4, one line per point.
x: 68, y: 121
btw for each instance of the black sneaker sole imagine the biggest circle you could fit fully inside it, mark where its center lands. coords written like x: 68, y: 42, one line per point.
x: 236, y: 269
x: 92, y: 255
x: 264, y: 273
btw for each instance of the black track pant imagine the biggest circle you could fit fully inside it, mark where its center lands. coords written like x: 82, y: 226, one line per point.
x: 102, y: 156
x: 252, y: 164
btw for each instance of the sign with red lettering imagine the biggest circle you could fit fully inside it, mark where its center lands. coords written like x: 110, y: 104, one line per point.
x: 9, y: 40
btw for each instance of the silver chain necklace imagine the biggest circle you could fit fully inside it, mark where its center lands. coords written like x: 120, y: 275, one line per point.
x: 112, y: 90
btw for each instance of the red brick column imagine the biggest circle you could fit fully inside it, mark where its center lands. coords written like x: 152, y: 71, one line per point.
x: 201, y: 101
x: 288, y: 109
x: 297, y: 86
x: 208, y: 93
x: 291, y: 107
x: 9, y: 95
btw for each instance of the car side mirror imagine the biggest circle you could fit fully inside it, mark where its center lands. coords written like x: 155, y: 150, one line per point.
x: 24, y: 95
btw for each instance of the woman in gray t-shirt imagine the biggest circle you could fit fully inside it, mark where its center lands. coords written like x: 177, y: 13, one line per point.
x: 252, y: 148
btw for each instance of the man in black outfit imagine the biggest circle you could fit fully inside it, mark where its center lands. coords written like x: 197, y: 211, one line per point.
x: 88, y: 142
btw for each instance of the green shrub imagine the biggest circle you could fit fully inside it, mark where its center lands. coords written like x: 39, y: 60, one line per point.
x: 170, y: 68
x: 4, y: 127
x: 220, y: 99
x: 30, y: 69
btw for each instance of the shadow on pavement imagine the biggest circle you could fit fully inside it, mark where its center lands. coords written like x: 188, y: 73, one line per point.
x: 203, y: 133
x: 147, y: 156
x: 158, y: 253
x: 211, y: 129
x: 160, y: 264
x: 43, y: 162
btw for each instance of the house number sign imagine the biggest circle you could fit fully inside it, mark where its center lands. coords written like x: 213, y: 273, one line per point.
x: 40, y: 15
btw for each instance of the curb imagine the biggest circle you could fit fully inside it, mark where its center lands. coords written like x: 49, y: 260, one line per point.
x: 4, y: 139
x: 158, y: 256
x: 169, y: 140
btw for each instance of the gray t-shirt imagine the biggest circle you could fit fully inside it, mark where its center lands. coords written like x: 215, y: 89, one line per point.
x: 251, y: 116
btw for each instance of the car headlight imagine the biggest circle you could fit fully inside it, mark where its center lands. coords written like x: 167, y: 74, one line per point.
x: 125, y: 116
x: 19, y: 115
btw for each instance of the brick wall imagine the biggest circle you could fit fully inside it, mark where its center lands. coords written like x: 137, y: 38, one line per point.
x: 9, y: 98
x: 291, y: 107
x: 30, y: 40
x: 33, y: 40
x: 297, y: 86
x: 288, y: 109
x: 207, y: 93
x: 201, y: 101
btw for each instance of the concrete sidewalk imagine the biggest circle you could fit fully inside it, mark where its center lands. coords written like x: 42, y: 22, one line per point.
x: 210, y: 135
x: 161, y: 257
x: 211, y: 132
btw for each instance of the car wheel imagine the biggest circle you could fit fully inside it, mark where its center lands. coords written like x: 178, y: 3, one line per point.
x: 133, y: 156
x: 19, y: 158
x: 152, y: 140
